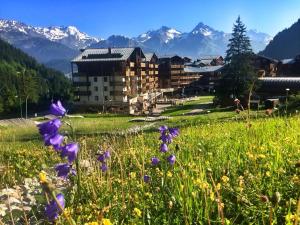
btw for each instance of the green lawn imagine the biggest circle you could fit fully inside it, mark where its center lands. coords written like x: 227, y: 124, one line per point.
x: 187, y: 106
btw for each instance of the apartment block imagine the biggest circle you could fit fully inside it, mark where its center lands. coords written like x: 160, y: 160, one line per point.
x: 114, y: 79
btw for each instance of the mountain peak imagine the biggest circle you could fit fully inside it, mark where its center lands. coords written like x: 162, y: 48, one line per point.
x: 203, y: 29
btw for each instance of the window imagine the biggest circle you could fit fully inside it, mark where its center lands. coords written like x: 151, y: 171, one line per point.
x: 105, y: 79
x: 105, y: 88
x: 95, y: 88
x: 105, y: 98
x: 95, y: 79
x: 96, y: 98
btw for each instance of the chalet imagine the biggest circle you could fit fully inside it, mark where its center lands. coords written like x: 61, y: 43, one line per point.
x: 114, y: 79
x: 289, y: 67
x: 170, y: 68
x: 265, y: 66
x: 209, y: 76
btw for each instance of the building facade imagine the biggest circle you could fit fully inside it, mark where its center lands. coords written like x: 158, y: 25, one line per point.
x: 172, y: 73
x: 113, y: 79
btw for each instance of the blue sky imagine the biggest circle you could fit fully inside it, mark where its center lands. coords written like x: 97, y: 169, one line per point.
x: 102, y: 18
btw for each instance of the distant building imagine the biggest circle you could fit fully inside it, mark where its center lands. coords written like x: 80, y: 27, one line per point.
x: 209, y: 76
x: 172, y: 73
x: 114, y: 79
x: 278, y: 86
x: 289, y: 67
x: 265, y: 66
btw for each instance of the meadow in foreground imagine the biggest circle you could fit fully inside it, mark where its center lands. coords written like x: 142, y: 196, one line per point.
x: 222, y: 173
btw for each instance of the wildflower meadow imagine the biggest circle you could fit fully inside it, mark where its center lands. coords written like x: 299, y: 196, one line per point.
x: 236, y: 170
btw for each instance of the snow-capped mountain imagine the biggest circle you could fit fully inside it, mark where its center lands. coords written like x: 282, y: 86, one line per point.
x: 55, y: 46
x: 69, y: 36
x: 164, y: 35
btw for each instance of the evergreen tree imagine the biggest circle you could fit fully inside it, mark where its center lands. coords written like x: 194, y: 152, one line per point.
x: 238, y: 74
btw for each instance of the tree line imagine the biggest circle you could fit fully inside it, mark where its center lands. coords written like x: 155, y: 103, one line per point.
x: 24, y: 81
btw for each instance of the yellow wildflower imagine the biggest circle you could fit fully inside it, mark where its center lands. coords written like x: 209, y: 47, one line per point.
x: 133, y: 175
x: 148, y: 194
x: 225, y: 179
x: 43, y: 177
x: 92, y: 223
x: 137, y: 212
x: 268, y: 173
x: 169, y: 174
x: 218, y: 186
x: 106, y: 222
x: 212, y: 196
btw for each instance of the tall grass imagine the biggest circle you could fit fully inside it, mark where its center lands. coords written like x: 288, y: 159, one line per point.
x: 225, y: 173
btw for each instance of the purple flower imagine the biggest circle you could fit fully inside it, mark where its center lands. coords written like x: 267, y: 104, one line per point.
x: 70, y: 150
x: 104, y: 156
x: 107, y: 154
x: 53, y: 139
x: 154, y: 161
x: 57, y: 109
x: 166, y: 138
x: 52, y: 210
x: 64, y: 169
x: 147, y: 178
x: 171, y: 159
x: 174, y: 132
x: 163, y: 147
x: 163, y: 129
x: 49, y: 127
x: 103, y: 167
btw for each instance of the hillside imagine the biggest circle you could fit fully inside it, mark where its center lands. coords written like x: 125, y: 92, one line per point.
x: 22, y: 76
x: 286, y: 44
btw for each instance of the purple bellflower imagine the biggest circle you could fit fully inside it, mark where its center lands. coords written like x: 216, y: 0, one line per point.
x: 154, y: 161
x: 163, y: 147
x: 49, y: 127
x: 70, y: 151
x: 102, y: 157
x: 172, y: 159
x: 174, y: 132
x: 53, y: 139
x: 57, y: 109
x: 64, y: 169
x: 52, y: 210
x: 103, y: 167
x: 147, y: 178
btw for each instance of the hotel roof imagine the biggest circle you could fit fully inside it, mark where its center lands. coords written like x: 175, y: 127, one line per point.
x: 104, y: 54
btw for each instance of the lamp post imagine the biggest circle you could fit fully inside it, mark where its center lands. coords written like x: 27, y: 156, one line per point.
x: 286, y: 100
x: 21, y: 113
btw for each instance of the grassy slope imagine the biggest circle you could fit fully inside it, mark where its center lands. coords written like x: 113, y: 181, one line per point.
x: 258, y: 161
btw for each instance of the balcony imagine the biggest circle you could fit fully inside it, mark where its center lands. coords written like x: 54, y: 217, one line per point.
x: 117, y: 83
x: 176, y: 66
x: 79, y: 75
x: 81, y: 84
x: 117, y: 93
x: 82, y: 93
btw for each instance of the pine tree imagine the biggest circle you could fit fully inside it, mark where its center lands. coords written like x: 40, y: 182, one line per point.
x: 238, y: 73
